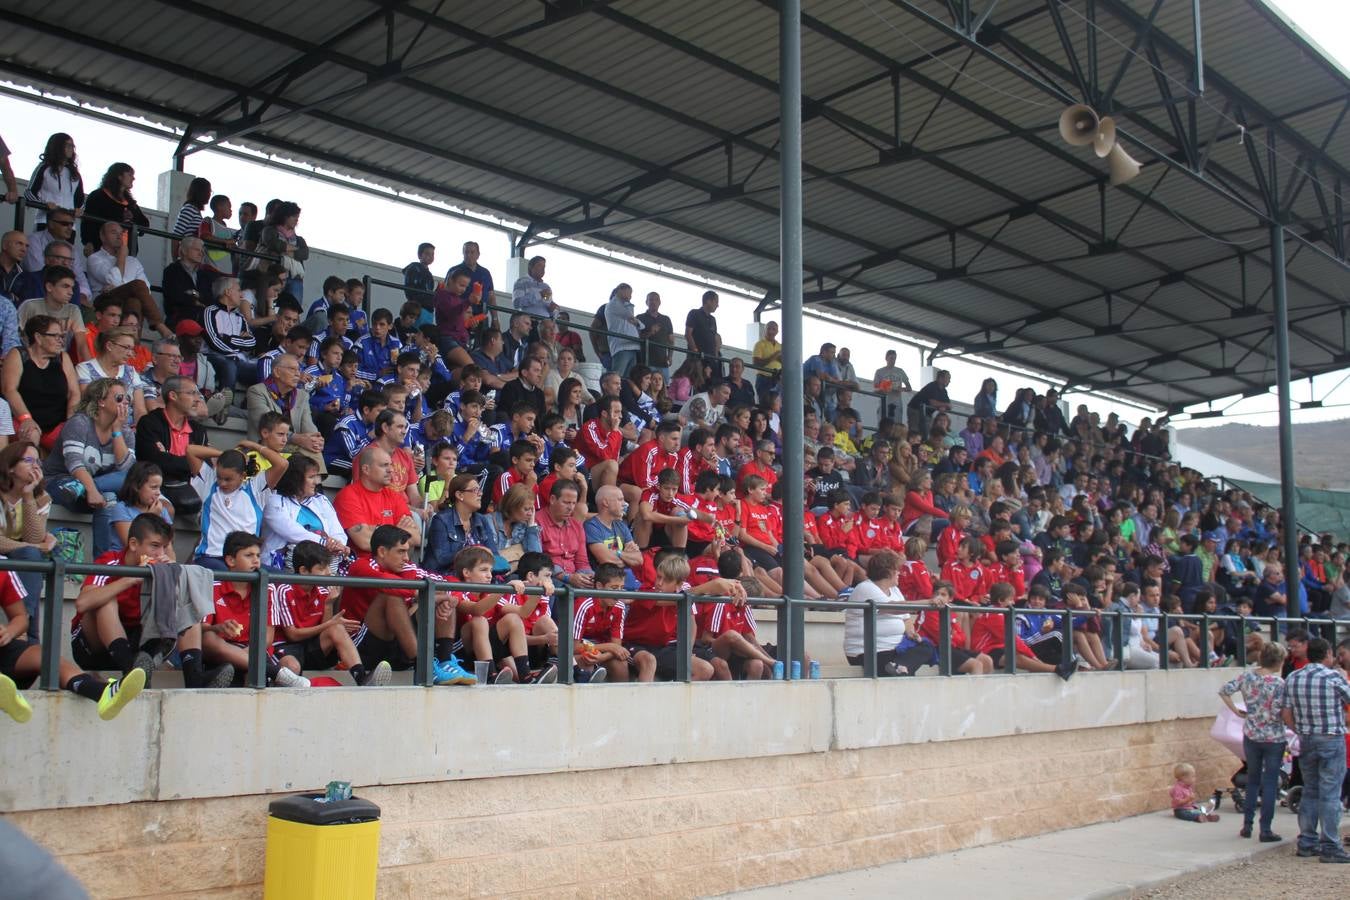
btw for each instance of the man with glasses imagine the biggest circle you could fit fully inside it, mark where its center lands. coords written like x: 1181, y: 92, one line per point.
x: 114, y: 272
x: 55, y: 247
x: 58, y: 289
x: 167, y: 362
x: 168, y: 437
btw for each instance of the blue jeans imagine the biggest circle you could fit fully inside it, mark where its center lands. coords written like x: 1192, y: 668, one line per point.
x: 32, y: 583
x: 1322, y: 762
x: 622, y: 361
x: 231, y: 371
x: 215, y: 563
x: 67, y: 491
x: 1263, y: 775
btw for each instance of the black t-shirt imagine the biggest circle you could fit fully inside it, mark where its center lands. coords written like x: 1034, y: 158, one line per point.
x: 929, y: 392
x: 517, y: 391
x: 824, y: 484
x: 704, y: 327
x: 658, y: 356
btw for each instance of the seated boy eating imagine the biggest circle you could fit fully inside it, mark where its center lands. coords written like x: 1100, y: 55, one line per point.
x: 598, y: 631
x: 310, y: 627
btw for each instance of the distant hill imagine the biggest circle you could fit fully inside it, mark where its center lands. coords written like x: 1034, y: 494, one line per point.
x: 1319, y: 449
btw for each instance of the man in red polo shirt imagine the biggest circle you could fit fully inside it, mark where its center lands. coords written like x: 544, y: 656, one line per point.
x: 761, y: 465
x: 369, y: 502
x: 563, y: 537
x: 601, y: 442
x: 639, y: 470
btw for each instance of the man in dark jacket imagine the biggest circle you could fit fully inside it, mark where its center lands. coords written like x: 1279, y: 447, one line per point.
x: 169, y: 438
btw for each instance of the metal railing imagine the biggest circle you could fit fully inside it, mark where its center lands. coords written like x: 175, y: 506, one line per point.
x: 55, y: 572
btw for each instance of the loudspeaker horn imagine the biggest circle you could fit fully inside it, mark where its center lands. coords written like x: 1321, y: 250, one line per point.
x: 1105, y: 139
x: 1078, y: 125
x: 1124, y: 168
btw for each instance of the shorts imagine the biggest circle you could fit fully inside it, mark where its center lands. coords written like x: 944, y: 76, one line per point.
x: 9, y: 659
x: 695, y: 548
x: 960, y: 657
x: 827, y: 552
x: 374, y: 651
x: 309, y: 653
x: 91, y: 660
x: 737, y: 662
x: 761, y: 558
x: 666, y: 658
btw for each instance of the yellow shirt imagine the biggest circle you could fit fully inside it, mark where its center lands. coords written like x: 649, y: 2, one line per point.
x: 766, y: 348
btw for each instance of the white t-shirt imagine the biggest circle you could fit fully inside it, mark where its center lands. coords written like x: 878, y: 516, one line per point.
x: 223, y: 513
x: 890, y: 626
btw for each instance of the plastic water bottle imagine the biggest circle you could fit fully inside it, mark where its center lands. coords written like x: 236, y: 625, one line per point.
x: 796, y: 670
x: 815, y: 670
x: 778, y: 670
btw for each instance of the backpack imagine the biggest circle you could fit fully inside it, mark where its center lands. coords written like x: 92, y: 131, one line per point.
x: 69, y: 548
x: 599, y: 340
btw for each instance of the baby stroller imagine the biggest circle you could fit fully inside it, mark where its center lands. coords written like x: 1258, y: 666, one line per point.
x: 1227, y: 731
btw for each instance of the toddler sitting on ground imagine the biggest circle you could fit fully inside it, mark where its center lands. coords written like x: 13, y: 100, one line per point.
x: 1183, y: 797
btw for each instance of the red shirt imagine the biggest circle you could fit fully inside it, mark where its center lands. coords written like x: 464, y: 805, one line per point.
x: 232, y: 605
x: 11, y: 591
x: 916, y: 505
x: 915, y: 581
x: 356, y: 601
x: 403, y: 469
x: 872, y: 534
x: 706, y: 531
x: 719, y: 618
x: 540, y: 611
x: 690, y: 465
x: 674, y: 507
x: 946, y: 545
x: 833, y: 534
x: 593, y: 622
x: 763, y: 523
x: 128, y: 602
x: 355, y: 505
x: 643, y: 465
x: 505, y: 481
x: 296, y: 605
x: 650, y: 624
x: 998, y: 571
x: 565, y: 544
x: 931, y: 619
x: 968, y: 581
x: 987, y: 634
x: 598, y: 445
x: 754, y: 468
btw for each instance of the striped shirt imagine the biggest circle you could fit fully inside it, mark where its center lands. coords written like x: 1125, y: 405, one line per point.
x: 189, y: 221
x: 1317, y: 697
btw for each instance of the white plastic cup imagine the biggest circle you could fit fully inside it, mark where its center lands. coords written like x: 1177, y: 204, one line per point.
x: 481, y: 669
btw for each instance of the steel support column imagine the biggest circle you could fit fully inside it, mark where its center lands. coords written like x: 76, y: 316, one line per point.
x: 1288, y: 500
x: 790, y: 288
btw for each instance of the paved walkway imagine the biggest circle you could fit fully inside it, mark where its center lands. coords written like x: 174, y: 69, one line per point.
x: 1115, y: 859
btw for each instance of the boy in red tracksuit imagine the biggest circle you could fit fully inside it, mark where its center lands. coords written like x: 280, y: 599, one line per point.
x: 492, y: 623
x: 729, y: 628
x: 830, y: 573
x: 966, y: 575
x: 1000, y: 530
x: 915, y: 581
x: 891, y: 508
x: 641, y: 469
x: 953, y: 535
x: 988, y: 631
x: 964, y: 661
x: 225, y: 631
x: 836, y: 525
x: 600, y: 624
x: 869, y: 525
x: 1008, y: 568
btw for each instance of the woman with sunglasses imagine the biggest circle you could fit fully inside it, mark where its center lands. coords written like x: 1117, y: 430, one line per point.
x: 115, y: 349
x: 41, y: 387
x: 89, y: 464
x: 24, y: 505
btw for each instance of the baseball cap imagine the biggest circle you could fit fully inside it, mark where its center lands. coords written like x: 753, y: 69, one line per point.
x: 186, y: 327
x: 1210, y: 536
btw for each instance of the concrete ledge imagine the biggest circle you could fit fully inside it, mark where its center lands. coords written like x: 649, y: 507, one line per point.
x: 188, y: 744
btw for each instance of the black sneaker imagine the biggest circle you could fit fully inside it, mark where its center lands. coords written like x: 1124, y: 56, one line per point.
x: 1270, y: 837
x: 1066, y: 668
x: 1338, y: 857
x: 1307, y: 853
x: 1246, y: 832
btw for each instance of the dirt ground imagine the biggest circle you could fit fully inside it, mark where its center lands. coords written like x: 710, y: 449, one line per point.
x: 1276, y: 874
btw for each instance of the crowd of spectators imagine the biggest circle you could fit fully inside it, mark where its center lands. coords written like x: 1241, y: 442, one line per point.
x: 470, y: 447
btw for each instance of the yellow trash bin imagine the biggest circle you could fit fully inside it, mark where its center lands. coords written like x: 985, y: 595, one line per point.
x: 321, y: 850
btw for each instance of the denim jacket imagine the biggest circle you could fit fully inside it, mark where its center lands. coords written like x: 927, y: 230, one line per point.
x: 447, y: 537
x: 525, y: 535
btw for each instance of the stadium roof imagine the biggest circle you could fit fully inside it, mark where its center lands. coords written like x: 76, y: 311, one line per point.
x: 940, y: 199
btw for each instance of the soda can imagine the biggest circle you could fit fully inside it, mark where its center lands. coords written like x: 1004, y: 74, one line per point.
x: 778, y: 670
x: 815, y: 670
x: 796, y: 670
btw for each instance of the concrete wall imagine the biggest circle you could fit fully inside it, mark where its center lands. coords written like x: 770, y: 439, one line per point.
x: 916, y: 767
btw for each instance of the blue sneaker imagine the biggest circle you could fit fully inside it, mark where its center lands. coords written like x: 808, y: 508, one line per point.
x: 845, y: 592
x: 451, y: 672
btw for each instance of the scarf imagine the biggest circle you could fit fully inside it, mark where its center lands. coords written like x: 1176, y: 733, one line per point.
x: 285, y: 401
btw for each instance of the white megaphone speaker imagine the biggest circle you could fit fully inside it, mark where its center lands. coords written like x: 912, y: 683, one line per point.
x: 1123, y: 167
x: 1078, y: 125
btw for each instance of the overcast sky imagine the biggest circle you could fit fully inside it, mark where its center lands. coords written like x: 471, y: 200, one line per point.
x: 338, y: 219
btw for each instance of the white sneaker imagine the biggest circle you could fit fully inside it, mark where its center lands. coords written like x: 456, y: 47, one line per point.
x: 288, y: 679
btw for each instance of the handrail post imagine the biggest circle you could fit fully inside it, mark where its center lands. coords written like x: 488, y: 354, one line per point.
x: 20, y: 209
x: 1242, y: 642
x: 1010, y: 641
x: 1204, y: 641
x: 870, y: 640
x: 785, y: 633
x: 55, y: 595
x: 944, y: 642
x: 1275, y: 629
x: 365, y: 296
x: 564, y: 609
x: 1066, y: 635
x: 1118, y: 639
x: 426, y: 630
x: 257, y: 632
x: 1161, y: 639
x: 684, y: 639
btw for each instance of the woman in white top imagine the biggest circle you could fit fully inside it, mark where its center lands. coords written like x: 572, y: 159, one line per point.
x: 1141, y: 651
x: 56, y: 182
x: 894, y: 627
x: 114, y: 349
x: 297, y: 511
x: 560, y: 372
